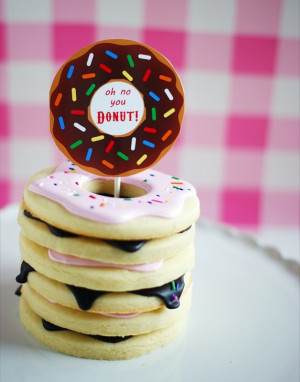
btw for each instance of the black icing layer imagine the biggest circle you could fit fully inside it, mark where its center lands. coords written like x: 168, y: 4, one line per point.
x: 18, y: 291
x: 85, y: 297
x: 54, y: 328
x: 169, y: 293
x: 51, y: 327
x: 113, y: 340
x: 54, y: 230
x: 127, y: 246
x: 25, y: 270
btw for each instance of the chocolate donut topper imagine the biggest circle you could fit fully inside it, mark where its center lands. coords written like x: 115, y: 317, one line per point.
x: 116, y: 107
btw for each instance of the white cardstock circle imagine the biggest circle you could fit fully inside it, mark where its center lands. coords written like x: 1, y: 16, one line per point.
x: 117, y: 108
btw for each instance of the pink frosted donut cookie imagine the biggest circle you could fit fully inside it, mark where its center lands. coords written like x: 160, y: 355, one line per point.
x: 116, y: 107
x: 152, y: 204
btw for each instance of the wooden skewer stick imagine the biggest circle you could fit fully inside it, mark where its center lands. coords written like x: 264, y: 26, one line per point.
x: 117, y: 186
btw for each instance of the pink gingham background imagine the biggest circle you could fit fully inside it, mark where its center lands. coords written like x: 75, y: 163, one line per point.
x: 239, y: 63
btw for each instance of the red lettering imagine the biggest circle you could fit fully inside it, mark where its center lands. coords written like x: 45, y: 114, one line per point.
x: 100, y: 117
x: 116, y: 116
x: 122, y: 116
x: 130, y: 115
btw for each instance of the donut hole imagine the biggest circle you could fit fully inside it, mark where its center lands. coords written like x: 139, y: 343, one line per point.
x: 106, y: 188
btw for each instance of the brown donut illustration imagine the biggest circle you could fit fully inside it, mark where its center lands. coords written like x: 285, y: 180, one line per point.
x: 116, y: 107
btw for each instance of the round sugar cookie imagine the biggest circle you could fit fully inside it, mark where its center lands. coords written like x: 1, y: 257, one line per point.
x: 152, y: 204
x: 101, y: 250
x: 98, y: 324
x: 116, y: 107
x: 101, y: 278
x: 119, y: 303
x: 79, y: 345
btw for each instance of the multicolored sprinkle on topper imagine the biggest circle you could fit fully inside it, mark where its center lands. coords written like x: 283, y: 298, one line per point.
x: 116, y: 107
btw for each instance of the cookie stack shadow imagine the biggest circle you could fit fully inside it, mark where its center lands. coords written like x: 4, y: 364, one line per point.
x: 100, y: 298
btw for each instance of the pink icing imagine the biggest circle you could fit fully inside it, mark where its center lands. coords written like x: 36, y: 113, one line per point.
x: 113, y: 315
x: 164, y: 196
x: 72, y: 260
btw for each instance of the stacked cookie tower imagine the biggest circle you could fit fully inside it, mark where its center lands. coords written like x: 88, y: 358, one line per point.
x: 106, y: 265
x: 105, y: 291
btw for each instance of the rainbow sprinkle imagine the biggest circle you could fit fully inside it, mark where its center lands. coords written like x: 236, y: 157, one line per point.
x: 89, y: 154
x: 90, y: 89
x: 61, y: 123
x: 79, y: 127
x: 165, y: 78
x: 169, y: 112
x: 108, y: 164
x: 74, y: 95
x: 109, y: 146
x: 76, y: 144
x: 97, y: 138
x: 133, y: 143
x: 58, y: 99
x: 144, y: 56
x: 70, y: 71
x: 169, y: 94
x: 90, y: 59
x: 150, y: 130
x: 123, y: 156
x: 146, y: 75
x: 105, y: 68
x: 127, y: 75
x: 111, y: 54
x: 153, y: 111
x: 88, y: 75
x: 149, y: 144
x: 166, y: 135
x: 130, y: 60
x: 142, y: 159
x: 155, y: 97
x: 77, y: 112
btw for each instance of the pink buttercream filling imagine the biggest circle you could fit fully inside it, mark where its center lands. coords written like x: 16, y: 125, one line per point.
x: 72, y: 260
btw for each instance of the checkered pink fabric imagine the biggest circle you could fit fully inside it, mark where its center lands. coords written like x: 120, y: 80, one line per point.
x: 239, y: 62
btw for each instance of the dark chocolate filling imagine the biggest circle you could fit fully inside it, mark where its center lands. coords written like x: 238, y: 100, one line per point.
x: 127, y: 246
x: 53, y: 328
x: 169, y: 293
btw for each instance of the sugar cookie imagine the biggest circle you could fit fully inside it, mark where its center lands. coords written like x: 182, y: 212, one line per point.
x: 61, y: 196
x: 84, y: 346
